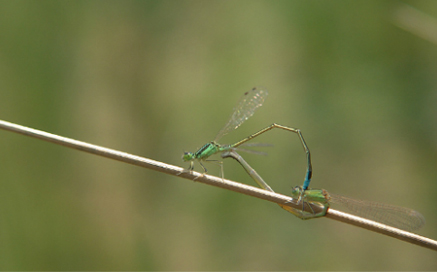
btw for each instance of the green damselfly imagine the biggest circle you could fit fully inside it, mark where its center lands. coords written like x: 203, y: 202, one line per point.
x: 399, y: 217
x: 395, y: 216
x: 245, y: 108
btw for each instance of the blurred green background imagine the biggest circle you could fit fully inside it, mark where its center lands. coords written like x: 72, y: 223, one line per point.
x: 156, y: 78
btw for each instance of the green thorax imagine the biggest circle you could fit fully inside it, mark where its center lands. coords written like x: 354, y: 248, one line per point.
x: 311, y: 195
x: 207, y: 150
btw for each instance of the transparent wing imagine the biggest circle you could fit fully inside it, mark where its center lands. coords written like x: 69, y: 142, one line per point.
x: 399, y: 217
x: 255, y: 152
x: 245, y: 108
x: 250, y: 151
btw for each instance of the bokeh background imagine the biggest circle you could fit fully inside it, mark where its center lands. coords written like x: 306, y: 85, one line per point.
x: 156, y: 78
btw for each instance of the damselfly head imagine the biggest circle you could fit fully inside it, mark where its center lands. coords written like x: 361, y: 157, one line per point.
x: 188, y: 156
x: 296, y: 191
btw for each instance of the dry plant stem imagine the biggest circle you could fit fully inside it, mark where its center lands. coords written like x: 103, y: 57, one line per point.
x: 381, y: 228
x: 218, y: 182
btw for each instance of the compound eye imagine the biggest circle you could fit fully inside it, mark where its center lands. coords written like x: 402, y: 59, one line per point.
x: 187, y: 156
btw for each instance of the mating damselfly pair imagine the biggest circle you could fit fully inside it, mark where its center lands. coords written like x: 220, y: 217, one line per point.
x: 245, y: 108
x: 402, y: 218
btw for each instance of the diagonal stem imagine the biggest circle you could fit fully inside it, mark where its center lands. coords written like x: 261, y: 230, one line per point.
x: 218, y: 182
